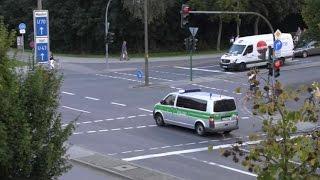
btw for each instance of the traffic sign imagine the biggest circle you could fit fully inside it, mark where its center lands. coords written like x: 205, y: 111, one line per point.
x: 262, y: 47
x: 193, y: 31
x: 19, y: 41
x: 139, y: 74
x: 277, y: 34
x: 41, y: 35
x: 277, y: 45
x: 22, y: 26
x: 22, y: 31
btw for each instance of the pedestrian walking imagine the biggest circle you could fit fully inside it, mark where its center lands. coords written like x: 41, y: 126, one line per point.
x: 124, y: 52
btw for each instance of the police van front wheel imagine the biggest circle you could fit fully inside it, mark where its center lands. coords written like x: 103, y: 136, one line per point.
x: 159, y: 120
x: 242, y: 66
x: 200, y: 129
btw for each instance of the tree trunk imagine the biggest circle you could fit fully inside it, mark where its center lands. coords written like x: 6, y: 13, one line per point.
x: 219, y: 34
x: 256, y: 26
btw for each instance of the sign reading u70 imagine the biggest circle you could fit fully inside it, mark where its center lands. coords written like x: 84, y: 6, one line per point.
x: 41, y: 26
x: 42, y: 52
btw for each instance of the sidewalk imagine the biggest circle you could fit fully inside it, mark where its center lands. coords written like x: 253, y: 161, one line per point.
x: 115, y: 166
x: 69, y: 59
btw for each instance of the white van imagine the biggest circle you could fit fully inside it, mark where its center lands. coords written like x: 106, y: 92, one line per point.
x: 243, y: 53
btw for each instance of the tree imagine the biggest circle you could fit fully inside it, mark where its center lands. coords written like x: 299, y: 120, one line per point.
x: 311, y: 16
x: 283, y: 154
x: 32, y: 138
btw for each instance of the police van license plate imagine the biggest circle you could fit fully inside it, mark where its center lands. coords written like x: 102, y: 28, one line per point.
x: 224, y: 66
x: 226, y: 119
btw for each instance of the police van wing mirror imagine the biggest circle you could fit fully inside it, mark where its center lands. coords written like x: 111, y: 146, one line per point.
x: 162, y: 101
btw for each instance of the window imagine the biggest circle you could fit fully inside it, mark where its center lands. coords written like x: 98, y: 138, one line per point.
x: 249, y: 50
x: 236, y: 49
x: 224, y: 105
x: 169, y: 100
x: 192, y: 103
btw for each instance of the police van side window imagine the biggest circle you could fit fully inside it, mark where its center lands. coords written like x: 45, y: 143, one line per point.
x: 249, y: 50
x: 192, y: 103
x: 224, y: 105
x: 169, y: 100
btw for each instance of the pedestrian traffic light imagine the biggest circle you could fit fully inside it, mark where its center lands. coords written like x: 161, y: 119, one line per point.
x: 277, y: 65
x: 109, y: 38
x: 187, y: 43
x: 185, y: 10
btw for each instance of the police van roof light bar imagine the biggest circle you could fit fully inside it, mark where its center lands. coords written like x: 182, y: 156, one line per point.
x: 189, y: 90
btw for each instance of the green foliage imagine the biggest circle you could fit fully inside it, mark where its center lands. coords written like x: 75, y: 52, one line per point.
x: 284, y: 153
x: 31, y: 143
x: 311, y: 16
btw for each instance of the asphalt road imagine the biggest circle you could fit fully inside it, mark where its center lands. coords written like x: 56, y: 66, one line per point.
x: 115, y: 113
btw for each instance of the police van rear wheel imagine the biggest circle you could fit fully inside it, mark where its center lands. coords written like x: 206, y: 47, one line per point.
x: 159, y: 120
x: 305, y: 54
x: 243, y: 66
x: 200, y: 129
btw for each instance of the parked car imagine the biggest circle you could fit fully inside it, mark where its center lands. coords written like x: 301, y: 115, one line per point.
x: 305, y: 49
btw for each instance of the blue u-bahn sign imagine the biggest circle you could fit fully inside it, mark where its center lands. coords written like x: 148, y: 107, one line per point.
x: 41, y: 35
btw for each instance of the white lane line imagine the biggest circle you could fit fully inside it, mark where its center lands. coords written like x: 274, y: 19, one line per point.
x: 118, y: 104
x: 110, y: 119
x: 69, y: 93
x: 92, y: 98
x: 232, y: 169
x: 128, y: 128
x: 150, y: 156
x: 209, y: 66
x: 204, y: 70
x: 152, y: 125
x: 154, y: 148
x: 165, y: 72
x: 138, y: 150
x: 127, y: 74
x: 245, y: 117
x: 142, y: 115
x: 125, y: 152
x: 202, y: 142
x: 78, y: 133
x: 189, y: 144
x: 178, y: 145
x: 116, y: 129
x: 164, y: 147
x: 87, y: 122
x: 140, y: 127
x: 89, y: 132
x: 103, y: 130
x: 79, y: 110
x: 215, y: 140
x: 96, y: 121
x: 210, y: 87
x: 130, y: 117
x: 147, y: 110
x: 120, y: 118
x: 112, y: 154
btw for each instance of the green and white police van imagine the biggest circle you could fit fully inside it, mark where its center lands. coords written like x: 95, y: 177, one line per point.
x: 202, y: 111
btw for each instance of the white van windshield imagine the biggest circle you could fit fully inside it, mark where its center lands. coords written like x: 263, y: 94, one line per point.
x: 236, y: 49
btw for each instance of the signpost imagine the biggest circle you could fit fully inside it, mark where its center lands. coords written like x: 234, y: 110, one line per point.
x: 41, y: 35
x: 193, y: 31
x: 22, y: 30
x: 139, y: 74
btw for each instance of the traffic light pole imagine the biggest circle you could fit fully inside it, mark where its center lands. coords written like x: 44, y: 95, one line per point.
x: 107, y: 31
x: 191, y: 53
x: 146, y: 46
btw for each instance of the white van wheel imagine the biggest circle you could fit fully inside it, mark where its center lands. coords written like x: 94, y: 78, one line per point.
x: 305, y: 54
x: 243, y: 66
x: 200, y: 129
x: 159, y: 120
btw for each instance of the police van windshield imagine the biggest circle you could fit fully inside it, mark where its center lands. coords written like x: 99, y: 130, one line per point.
x: 224, y: 105
x: 236, y: 49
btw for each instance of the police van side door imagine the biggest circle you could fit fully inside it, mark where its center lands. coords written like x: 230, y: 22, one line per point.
x: 168, y: 108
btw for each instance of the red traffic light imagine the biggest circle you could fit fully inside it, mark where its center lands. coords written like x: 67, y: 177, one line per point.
x: 277, y: 64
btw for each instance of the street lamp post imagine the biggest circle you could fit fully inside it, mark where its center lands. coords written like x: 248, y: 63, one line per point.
x: 39, y: 4
x: 107, y: 30
x: 146, y: 53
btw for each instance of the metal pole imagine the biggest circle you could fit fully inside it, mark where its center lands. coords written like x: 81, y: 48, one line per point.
x: 107, y: 30
x: 22, y: 44
x: 191, y: 53
x: 146, y: 53
x: 39, y: 4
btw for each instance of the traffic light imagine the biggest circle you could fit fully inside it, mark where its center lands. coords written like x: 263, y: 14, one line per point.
x: 270, y: 54
x: 262, y: 56
x: 277, y: 65
x: 194, y: 43
x: 270, y: 68
x: 109, y: 38
x: 185, y: 10
x: 187, y: 43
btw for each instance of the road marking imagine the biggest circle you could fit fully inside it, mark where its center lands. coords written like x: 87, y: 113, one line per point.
x: 164, y: 147
x: 114, y: 77
x: 76, y: 109
x: 202, y: 142
x: 127, y: 74
x: 142, y: 109
x: 202, y: 86
x: 189, y: 144
x: 78, y: 133
x: 128, y: 128
x: 116, y: 129
x: 245, y: 117
x: 142, y: 115
x: 150, y: 156
x: 209, y: 66
x: 232, y: 169
x: 120, y: 118
x: 125, y: 152
x: 130, y: 117
x: 87, y: 122
x: 152, y: 125
x: 89, y: 132
x: 96, y: 121
x: 178, y: 145
x: 69, y: 93
x: 110, y: 119
x: 92, y: 98
x: 138, y: 150
x: 140, y: 127
x: 154, y: 148
x: 112, y: 154
x: 204, y: 70
x: 118, y: 104
x: 165, y: 72
x: 103, y: 130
